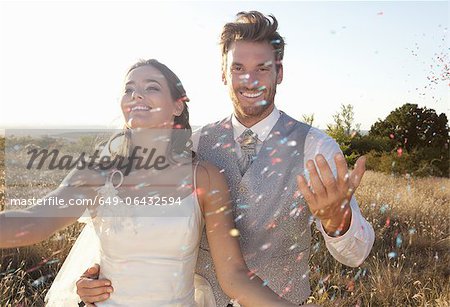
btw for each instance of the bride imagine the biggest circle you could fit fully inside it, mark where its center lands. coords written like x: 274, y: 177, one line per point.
x: 149, y: 252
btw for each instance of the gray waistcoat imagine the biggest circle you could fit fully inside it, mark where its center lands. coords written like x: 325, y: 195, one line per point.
x: 274, y: 223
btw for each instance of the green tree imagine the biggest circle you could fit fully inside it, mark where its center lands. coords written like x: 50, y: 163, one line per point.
x: 420, y: 132
x: 343, y: 130
x: 308, y: 118
x: 413, y: 127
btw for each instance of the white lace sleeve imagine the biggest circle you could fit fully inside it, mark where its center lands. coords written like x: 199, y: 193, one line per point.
x: 84, y: 253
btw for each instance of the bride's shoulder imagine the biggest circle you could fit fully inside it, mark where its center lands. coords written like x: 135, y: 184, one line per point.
x: 209, y: 177
x: 205, y: 168
x: 213, y: 187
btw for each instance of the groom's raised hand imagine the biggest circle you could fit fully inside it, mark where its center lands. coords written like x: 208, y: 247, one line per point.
x: 91, y: 289
x: 328, y: 197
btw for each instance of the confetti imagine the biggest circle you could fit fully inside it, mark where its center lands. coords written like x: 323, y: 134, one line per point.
x: 265, y: 169
x: 251, y: 273
x: 234, y: 232
x: 261, y: 103
x: 277, y: 213
x: 351, y: 286
x: 316, y: 247
x: 52, y: 261
x: 21, y: 234
x: 244, y: 77
x: 271, y: 225
x: 265, y: 246
x: 399, y: 240
x: 392, y: 255
x: 292, y: 247
x: 296, y: 212
x: 292, y: 143
x: 276, y: 161
x: 287, y: 289
x: 273, y: 152
x: 40, y: 281
x: 240, y: 216
x: 357, y: 275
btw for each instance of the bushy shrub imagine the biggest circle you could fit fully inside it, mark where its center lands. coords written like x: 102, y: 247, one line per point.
x: 366, y: 143
x: 414, y: 163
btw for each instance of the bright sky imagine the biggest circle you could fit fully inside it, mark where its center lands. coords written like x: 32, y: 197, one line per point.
x: 63, y: 63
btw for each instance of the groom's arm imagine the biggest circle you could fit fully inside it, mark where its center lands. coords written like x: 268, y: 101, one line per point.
x: 353, y: 244
x: 91, y: 289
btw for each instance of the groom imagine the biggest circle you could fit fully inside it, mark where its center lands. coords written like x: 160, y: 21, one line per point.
x: 262, y: 151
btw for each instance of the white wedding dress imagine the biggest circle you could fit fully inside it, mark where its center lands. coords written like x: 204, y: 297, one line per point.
x: 150, y: 257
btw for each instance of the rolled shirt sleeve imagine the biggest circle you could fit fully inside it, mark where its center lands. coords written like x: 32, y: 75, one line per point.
x: 352, y: 247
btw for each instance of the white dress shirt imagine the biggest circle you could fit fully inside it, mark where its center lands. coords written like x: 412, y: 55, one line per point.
x: 355, y: 244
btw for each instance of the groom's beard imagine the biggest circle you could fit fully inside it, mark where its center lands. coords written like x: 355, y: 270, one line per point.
x: 256, y: 110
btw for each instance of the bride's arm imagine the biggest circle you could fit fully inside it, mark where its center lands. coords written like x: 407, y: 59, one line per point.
x: 231, y: 270
x: 38, y: 222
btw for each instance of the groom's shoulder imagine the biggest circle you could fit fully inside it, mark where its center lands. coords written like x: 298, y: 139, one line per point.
x: 293, y: 125
x: 222, y: 122
x: 207, y: 129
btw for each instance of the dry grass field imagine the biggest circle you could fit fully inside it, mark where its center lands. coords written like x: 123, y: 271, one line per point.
x: 408, y: 266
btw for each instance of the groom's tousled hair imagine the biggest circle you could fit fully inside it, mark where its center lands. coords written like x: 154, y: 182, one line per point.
x: 252, y: 26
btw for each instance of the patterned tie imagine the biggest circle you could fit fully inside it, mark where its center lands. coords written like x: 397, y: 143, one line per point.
x: 248, y: 149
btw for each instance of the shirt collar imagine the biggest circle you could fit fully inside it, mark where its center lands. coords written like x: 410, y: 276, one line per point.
x: 261, y: 128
